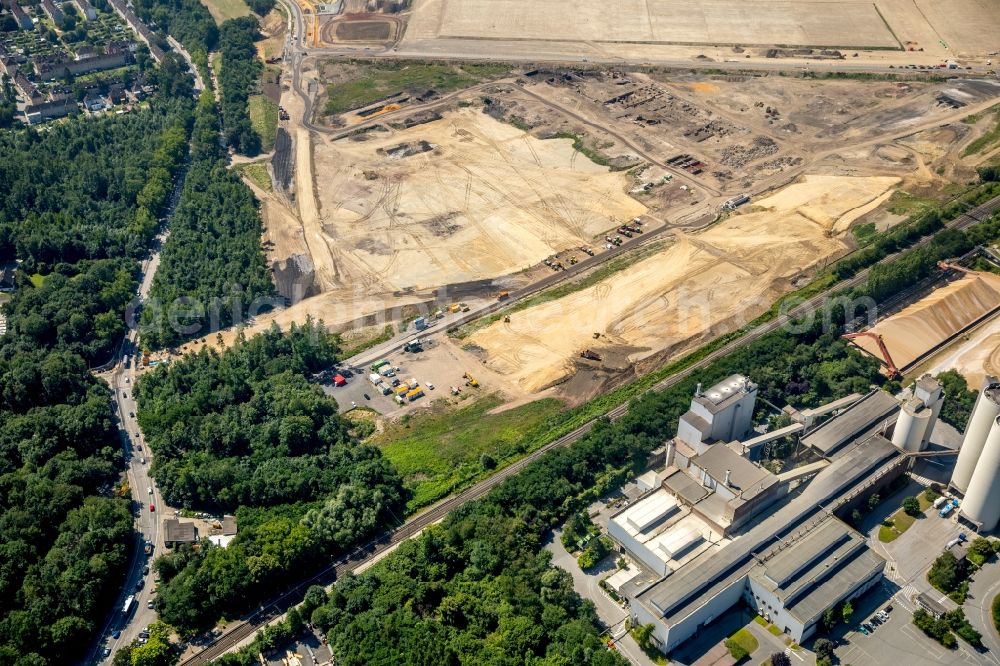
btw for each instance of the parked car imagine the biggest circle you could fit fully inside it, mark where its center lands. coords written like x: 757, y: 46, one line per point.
x: 116, y: 634
x: 863, y: 630
x: 152, y: 508
x: 107, y: 652
x: 149, y: 604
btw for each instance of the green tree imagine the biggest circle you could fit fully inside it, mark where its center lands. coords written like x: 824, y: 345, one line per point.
x: 846, y: 611
x: 873, y: 501
x: 911, y: 505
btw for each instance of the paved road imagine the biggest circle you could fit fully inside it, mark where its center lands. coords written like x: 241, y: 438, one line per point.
x: 239, y: 632
x: 144, y: 493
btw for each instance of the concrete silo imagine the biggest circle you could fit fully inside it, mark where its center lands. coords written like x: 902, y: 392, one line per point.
x: 910, y: 432
x: 983, y: 416
x: 981, y: 503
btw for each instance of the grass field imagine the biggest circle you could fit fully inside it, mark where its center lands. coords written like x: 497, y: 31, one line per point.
x: 901, y: 521
x: 223, y: 10
x: 264, y: 120
x: 987, y: 140
x: 385, y: 78
x: 257, y: 173
x: 441, y: 451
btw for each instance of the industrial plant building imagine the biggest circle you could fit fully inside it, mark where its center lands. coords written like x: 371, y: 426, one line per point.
x: 721, y: 530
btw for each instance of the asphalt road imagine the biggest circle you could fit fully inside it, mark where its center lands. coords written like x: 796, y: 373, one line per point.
x: 239, y: 632
x: 144, y: 493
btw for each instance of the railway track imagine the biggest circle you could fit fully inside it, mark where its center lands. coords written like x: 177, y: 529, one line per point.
x: 240, y: 632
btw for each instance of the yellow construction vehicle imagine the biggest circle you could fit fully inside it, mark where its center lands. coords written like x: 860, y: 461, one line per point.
x: 470, y: 380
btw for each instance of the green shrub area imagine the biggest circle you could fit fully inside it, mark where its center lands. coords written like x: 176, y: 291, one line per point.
x: 383, y: 78
x: 264, y: 120
x: 442, y: 451
x: 958, y: 399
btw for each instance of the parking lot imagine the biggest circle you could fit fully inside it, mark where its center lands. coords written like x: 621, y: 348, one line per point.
x: 436, y: 368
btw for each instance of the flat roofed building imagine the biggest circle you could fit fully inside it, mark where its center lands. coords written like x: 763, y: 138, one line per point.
x: 175, y: 532
x: 796, y: 582
x: 714, y: 581
x: 661, y: 534
x: 876, y: 409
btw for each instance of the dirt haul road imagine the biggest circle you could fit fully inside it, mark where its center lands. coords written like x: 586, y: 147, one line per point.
x: 702, y: 286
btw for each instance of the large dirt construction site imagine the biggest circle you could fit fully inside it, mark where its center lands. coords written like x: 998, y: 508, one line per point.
x: 701, y: 286
x: 455, y: 200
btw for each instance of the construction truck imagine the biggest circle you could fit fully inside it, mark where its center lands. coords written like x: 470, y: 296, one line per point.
x: 587, y: 251
x: 590, y: 355
x: 453, y: 307
x: 378, y: 364
x: 503, y: 295
x: 470, y: 380
x: 414, y: 394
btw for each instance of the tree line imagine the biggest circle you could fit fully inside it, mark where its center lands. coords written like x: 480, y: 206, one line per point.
x: 244, y: 431
x: 238, y: 75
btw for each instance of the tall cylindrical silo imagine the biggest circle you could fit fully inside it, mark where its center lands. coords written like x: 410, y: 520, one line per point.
x: 984, y: 414
x: 982, y: 501
x: 908, y: 434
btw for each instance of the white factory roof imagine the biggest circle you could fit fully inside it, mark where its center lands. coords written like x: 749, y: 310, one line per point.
x: 647, y: 512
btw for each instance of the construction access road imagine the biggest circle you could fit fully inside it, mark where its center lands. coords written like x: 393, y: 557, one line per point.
x: 239, y: 632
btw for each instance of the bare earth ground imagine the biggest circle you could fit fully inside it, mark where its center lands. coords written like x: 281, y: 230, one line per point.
x: 702, y: 283
x: 484, y: 199
x: 383, y: 221
x: 639, y: 30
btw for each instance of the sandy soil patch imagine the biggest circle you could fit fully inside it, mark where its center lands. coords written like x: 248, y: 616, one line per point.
x: 702, y: 285
x: 459, y: 199
x: 975, y: 357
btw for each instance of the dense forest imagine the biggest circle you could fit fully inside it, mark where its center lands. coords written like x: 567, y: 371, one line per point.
x: 187, y: 20
x: 245, y: 431
x: 88, y: 190
x: 78, y: 202
x: 238, y: 75
x: 212, y: 272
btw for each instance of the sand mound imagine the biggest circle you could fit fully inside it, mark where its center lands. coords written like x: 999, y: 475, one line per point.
x: 930, y: 321
x: 702, y: 285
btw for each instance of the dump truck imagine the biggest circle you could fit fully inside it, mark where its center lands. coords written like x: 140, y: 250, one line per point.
x: 591, y: 355
x: 413, y: 346
x: 414, y: 394
x: 503, y: 295
x: 586, y: 250
x: 453, y: 307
